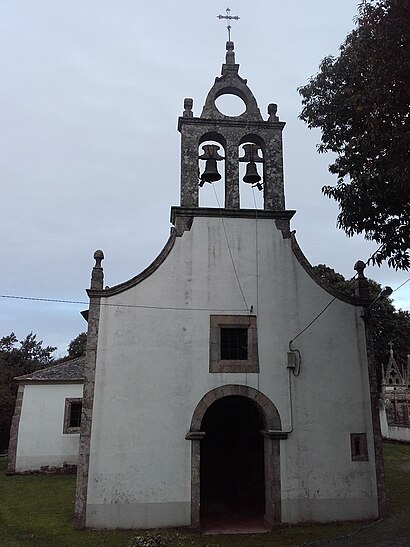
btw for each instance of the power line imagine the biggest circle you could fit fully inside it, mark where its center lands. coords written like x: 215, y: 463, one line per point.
x: 341, y: 292
x: 400, y: 286
x: 323, y: 311
x: 44, y: 299
x: 140, y: 306
x: 338, y: 294
x: 178, y: 308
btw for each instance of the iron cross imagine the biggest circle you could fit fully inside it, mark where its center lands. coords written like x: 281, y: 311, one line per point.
x: 228, y: 18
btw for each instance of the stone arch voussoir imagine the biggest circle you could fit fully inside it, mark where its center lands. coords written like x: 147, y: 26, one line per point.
x: 268, y: 410
x: 272, y: 435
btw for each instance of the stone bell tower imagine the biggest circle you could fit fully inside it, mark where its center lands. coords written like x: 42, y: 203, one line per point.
x: 261, y: 140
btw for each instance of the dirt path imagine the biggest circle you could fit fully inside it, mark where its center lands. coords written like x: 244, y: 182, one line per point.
x: 391, y: 532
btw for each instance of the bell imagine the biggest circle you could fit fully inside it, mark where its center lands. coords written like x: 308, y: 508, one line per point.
x: 251, y: 175
x: 211, y: 172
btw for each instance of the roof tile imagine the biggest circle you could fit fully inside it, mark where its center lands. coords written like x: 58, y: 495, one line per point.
x: 66, y: 371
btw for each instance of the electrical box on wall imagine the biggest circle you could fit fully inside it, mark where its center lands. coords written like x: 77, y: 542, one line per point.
x: 292, y: 360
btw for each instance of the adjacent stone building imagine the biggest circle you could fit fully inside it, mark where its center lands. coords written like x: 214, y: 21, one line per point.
x: 45, y: 430
x: 395, y: 400
x: 215, y: 390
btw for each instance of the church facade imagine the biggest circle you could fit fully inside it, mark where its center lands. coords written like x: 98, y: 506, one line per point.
x: 205, y: 396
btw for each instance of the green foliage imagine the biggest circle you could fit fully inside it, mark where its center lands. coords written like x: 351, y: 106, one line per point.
x: 16, y: 361
x: 360, y: 101
x: 389, y: 324
x: 76, y: 348
x: 334, y: 279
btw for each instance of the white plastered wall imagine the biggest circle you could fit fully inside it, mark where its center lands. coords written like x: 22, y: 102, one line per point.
x: 392, y: 432
x: 41, y: 441
x: 152, y: 370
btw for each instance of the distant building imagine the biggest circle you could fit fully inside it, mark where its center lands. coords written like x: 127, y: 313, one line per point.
x: 45, y: 429
x: 198, y: 405
x: 395, y: 401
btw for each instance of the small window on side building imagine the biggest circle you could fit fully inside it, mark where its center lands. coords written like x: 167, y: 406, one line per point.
x: 72, y: 415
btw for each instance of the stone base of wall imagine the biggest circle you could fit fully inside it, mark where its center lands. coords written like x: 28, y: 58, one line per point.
x: 65, y: 469
x: 296, y: 511
x: 138, y: 515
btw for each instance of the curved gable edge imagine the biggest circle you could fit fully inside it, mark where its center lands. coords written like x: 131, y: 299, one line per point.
x: 121, y: 287
x: 307, y: 266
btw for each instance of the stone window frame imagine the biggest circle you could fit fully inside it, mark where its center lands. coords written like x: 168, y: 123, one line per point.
x: 218, y: 365
x: 363, y: 455
x: 67, y: 429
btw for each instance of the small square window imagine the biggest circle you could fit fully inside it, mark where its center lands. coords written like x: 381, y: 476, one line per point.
x: 233, y: 344
x: 72, y: 415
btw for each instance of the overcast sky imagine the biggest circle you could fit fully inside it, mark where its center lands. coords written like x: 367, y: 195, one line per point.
x: 90, y: 93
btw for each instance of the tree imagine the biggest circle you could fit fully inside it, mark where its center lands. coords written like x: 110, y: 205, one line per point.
x: 360, y: 102
x: 16, y: 361
x: 388, y: 323
x: 76, y: 347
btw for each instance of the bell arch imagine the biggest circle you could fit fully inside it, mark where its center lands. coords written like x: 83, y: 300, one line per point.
x: 213, y: 136
x: 272, y: 434
x: 211, y: 167
x: 251, y: 157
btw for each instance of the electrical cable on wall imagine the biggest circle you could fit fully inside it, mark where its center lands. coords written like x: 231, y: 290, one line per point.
x: 229, y: 249
x: 339, y: 293
x: 257, y: 265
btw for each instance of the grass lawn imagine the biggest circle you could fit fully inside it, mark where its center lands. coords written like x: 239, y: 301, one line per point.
x: 397, y: 471
x: 38, y: 510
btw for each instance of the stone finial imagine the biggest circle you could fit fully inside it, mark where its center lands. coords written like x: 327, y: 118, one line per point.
x: 230, y: 53
x: 98, y: 257
x: 359, y: 267
x: 362, y: 285
x: 272, y: 109
x: 97, y: 275
x: 188, y: 104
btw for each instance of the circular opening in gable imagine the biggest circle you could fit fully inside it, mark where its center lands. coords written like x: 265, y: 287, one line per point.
x: 230, y: 105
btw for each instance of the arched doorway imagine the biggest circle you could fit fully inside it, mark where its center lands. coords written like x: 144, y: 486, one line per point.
x: 271, y: 434
x: 232, y: 478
